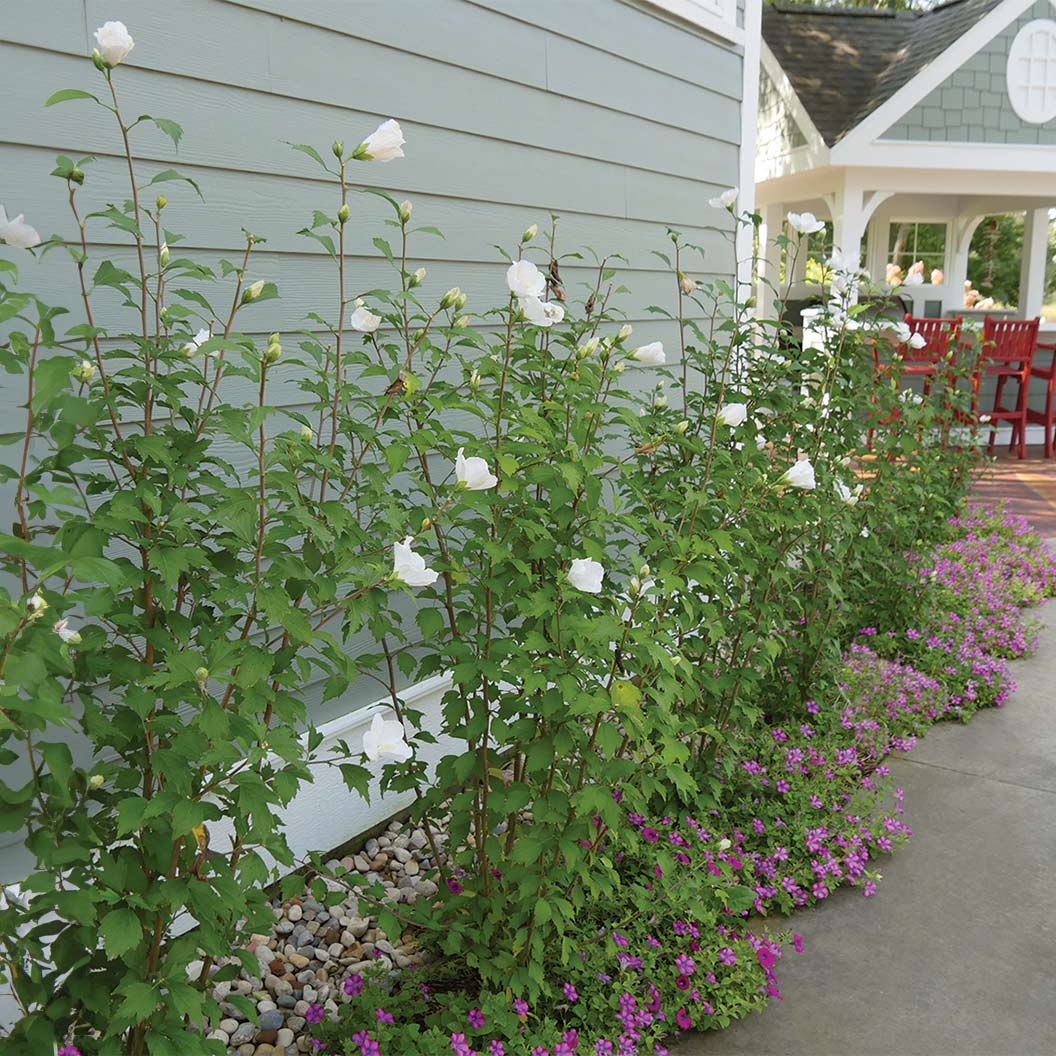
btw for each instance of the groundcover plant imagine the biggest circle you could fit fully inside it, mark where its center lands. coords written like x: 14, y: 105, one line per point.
x: 640, y: 565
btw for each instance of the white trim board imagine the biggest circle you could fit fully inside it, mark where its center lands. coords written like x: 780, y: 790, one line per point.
x: 753, y: 18
x: 918, y: 87
x: 949, y: 155
x: 704, y: 17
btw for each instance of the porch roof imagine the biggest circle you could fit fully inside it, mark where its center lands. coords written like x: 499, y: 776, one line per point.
x: 843, y: 64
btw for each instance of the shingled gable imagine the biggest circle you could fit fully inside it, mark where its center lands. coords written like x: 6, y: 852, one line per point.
x: 843, y: 64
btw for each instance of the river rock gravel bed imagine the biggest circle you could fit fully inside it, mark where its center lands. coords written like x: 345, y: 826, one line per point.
x: 312, y: 948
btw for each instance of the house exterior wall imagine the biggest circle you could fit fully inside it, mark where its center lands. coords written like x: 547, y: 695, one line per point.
x: 972, y: 104
x: 618, y: 116
x: 779, y: 134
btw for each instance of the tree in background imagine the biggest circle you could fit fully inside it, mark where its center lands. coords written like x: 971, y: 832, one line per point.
x: 994, y: 259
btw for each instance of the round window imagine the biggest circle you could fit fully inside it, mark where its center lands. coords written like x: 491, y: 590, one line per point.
x: 1032, y: 72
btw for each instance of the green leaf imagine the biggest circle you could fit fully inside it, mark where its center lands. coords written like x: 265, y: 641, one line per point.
x: 172, y: 174
x: 64, y: 95
x: 121, y: 931
x: 304, y: 148
x: 170, y: 128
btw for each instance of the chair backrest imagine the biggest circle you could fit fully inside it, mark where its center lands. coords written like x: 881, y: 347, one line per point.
x: 1009, y: 340
x: 939, y: 334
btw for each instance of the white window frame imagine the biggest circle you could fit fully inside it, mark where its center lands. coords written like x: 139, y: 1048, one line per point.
x: 718, y: 17
x: 1015, y: 83
x: 892, y: 221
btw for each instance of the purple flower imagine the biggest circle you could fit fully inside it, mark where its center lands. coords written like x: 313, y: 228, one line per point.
x: 684, y: 964
x: 727, y: 956
x: 384, y: 1017
x: 797, y: 943
x: 520, y: 1007
x: 475, y: 1018
x: 314, y: 1013
x: 454, y: 886
x: 69, y: 1050
x: 496, y: 1048
x: 683, y: 1019
x: 570, y: 992
x: 650, y: 835
x: 353, y: 985
x: 620, y: 940
x: 765, y: 957
x: 602, y: 1047
x: 683, y: 982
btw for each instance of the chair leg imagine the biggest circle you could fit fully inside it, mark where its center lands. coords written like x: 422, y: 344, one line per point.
x: 998, y: 392
x: 1021, y: 421
x: 1048, y: 424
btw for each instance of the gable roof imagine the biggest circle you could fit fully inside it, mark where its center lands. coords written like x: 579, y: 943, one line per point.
x: 844, y: 63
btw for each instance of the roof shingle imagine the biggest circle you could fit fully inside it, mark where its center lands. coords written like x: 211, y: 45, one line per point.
x: 844, y: 63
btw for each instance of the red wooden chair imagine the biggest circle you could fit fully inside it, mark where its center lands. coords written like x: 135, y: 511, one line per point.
x: 1007, y: 352
x: 940, y: 335
x: 1047, y: 373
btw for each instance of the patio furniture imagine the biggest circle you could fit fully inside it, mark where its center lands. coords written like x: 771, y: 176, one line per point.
x: 1007, y: 352
x: 939, y: 335
x: 1046, y: 373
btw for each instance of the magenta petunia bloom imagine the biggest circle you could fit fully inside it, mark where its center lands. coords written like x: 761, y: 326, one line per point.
x: 454, y: 886
x: 650, y: 835
x: 685, y: 964
x: 765, y: 956
x: 496, y: 1048
x: 384, y: 1017
x: 727, y: 956
x: 69, y: 1050
x: 314, y: 1013
x: 683, y: 1019
x: 620, y: 940
x: 797, y: 943
x: 520, y: 1007
x: 683, y: 982
x: 570, y: 992
x: 475, y: 1018
x: 353, y: 985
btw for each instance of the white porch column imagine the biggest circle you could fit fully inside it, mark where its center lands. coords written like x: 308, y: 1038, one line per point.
x: 849, y: 217
x: 769, y: 265
x: 1032, y: 264
x: 963, y: 228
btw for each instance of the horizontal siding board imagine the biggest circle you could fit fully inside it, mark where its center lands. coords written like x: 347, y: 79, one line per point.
x: 274, y: 206
x: 636, y: 33
x: 219, y: 133
x: 315, y: 66
x: 305, y: 285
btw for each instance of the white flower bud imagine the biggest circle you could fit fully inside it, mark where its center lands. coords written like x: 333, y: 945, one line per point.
x: 84, y: 371
x: 253, y: 292
x: 725, y: 844
x: 417, y: 278
x: 307, y: 434
x: 36, y: 605
x: 474, y: 379
x: 530, y: 233
x: 682, y: 427
x: 462, y: 322
x: 406, y: 208
x: 645, y: 571
x: 163, y: 254
x: 625, y: 332
x: 450, y: 298
x: 95, y: 781
x: 588, y: 348
x: 343, y: 214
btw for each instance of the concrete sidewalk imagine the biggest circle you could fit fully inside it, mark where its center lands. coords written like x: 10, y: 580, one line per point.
x: 956, y: 955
